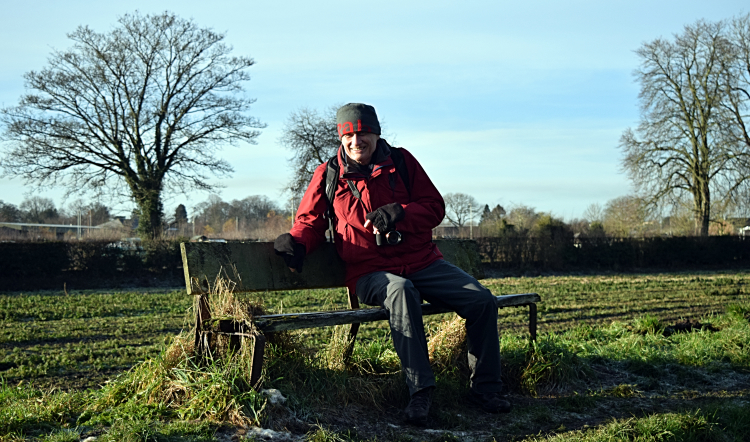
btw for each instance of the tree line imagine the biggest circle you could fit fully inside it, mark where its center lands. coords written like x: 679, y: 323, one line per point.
x: 253, y: 217
x: 41, y: 210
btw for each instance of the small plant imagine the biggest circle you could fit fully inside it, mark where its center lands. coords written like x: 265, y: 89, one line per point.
x: 335, y: 355
x: 622, y: 391
x: 647, y: 324
x: 739, y: 310
x: 551, y: 366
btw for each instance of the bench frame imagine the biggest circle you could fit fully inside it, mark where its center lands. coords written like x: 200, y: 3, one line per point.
x: 256, y: 268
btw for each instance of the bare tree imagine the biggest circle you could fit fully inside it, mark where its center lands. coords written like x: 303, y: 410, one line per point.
x: 37, y: 209
x: 146, y: 105
x: 626, y: 216
x: 9, y: 212
x: 94, y: 212
x: 685, y: 142
x: 593, y: 213
x: 460, y: 208
x: 213, y: 212
x: 253, y: 209
x: 312, y: 137
x: 523, y: 217
x: 737, y: 79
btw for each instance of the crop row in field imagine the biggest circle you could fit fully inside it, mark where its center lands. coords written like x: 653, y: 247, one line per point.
x: 79, y: 339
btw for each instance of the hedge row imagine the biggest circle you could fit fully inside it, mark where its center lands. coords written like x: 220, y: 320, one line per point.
x: 518, y: 252
x: 47, y: 265
x: 53, y: 265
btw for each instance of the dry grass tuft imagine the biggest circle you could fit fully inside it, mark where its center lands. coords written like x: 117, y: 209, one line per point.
x: 224, y: 303
x: 243, y: 307
x: 448, y: 348
x: 179, y: 351
x: 333, y: 355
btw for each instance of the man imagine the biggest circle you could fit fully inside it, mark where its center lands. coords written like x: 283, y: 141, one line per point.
x: 373, y: 204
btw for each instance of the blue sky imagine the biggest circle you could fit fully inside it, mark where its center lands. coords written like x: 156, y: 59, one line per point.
x: 511, y: 102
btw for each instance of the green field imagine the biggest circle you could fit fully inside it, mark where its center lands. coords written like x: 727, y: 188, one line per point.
x: 619, y: 357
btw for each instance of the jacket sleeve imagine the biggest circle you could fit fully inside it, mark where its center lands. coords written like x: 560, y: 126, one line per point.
x: 310, y: 224
x: 426, y: 208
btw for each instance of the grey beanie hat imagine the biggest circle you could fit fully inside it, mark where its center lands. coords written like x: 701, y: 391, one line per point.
x: 357, y: 117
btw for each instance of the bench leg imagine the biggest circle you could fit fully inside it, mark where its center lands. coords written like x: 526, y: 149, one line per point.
x: 532, y: 321
x: 353, y: 328
x: 258, y: 344
x: 202, y: 313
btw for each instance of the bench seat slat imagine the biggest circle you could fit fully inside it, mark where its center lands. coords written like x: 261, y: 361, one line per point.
x: 296, y: 321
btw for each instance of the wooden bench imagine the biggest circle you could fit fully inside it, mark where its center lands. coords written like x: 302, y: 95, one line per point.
x: 253, y: 267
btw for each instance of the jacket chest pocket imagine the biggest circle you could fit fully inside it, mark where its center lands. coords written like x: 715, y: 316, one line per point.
x: 386, y: 189
x: 348, y: 209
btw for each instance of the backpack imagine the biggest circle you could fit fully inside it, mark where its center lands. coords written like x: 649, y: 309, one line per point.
x: 331, y: 177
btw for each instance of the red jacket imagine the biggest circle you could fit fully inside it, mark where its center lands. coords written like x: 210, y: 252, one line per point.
x: 423, y: 206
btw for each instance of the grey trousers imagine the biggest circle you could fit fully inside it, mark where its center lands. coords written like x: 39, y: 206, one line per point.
x: 442, y: 284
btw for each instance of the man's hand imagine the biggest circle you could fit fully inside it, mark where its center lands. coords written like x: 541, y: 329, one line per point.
x: 384, y: 219
x: 292, y: 252
x: 374, y: 229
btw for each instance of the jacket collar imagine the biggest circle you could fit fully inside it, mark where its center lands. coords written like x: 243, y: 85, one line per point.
x: 381, y: 159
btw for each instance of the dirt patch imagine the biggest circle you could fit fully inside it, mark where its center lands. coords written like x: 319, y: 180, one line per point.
x: 7, y: 365
x: 460, y: 420
x: 687, y: 327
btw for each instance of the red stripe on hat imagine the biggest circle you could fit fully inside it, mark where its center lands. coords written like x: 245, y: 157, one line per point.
x: 345, y: 128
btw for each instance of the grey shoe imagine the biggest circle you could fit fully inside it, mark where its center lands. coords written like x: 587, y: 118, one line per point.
x: 490, y: 402
x: 419, y: 406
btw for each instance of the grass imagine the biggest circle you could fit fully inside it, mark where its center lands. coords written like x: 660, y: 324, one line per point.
x: 716, y: 423
x: 80, y: 339
x: 622, y: 357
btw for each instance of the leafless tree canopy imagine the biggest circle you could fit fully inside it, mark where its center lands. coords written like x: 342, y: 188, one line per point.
x: 312, y: 138
x: 460, y: 208
x: 692, y: 137
x: 626, y: 216
x: 147, y: 105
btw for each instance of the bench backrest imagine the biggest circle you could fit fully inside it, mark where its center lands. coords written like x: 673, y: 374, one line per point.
x: 254, y: 266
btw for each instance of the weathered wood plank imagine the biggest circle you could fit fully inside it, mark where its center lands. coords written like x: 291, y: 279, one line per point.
x: 292, y: 321
x: 254, y: 266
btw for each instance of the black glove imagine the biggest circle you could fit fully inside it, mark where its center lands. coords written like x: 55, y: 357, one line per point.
x: 292, y: 252
x: 385, y: 217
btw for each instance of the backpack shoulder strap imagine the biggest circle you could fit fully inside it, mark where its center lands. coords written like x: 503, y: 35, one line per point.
x: 398, y: 160
x: 331, y: 177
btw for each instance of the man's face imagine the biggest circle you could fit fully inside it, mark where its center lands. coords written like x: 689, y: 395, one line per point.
x: 360, y: 146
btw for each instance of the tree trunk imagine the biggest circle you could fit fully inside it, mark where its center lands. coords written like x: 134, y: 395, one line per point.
x: 150, y: 212
x: 702, y: 199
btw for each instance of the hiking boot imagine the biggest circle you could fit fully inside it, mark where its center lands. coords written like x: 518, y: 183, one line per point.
x: 419, y: 405
x: 490, y: 402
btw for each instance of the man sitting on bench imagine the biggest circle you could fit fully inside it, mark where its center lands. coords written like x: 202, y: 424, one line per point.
x: 383, y: 208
